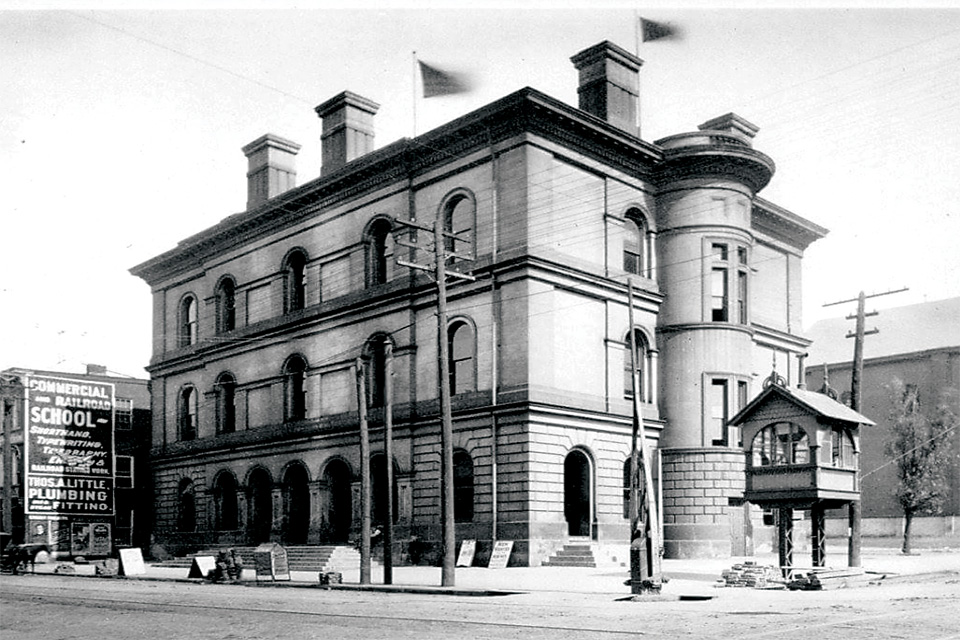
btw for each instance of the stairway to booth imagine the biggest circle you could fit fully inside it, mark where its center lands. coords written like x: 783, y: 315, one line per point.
x: 299, y: 558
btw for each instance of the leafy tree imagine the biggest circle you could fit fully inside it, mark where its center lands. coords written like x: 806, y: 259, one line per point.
x: 921, y: 448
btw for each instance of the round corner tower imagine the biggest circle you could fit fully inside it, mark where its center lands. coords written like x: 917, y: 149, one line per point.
x: 705, y: 194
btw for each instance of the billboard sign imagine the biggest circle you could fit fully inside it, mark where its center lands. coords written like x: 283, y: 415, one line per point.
x: 69, y: 447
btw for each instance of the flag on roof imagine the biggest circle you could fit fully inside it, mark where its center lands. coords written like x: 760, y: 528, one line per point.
x: 438, y: 82
x: 652, y: 30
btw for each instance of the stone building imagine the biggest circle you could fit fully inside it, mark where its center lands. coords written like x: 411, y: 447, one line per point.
x: 918, y: 345
x: 258, y: 322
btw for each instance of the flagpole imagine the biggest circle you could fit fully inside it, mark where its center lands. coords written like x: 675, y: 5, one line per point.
x: 636, y: 32
x: 414, y: 94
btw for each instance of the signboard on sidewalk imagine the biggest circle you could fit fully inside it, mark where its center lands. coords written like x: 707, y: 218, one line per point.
x: 501, y: 554
x: 271, y: 561
x: 468, y: 548
x: 68, y: 438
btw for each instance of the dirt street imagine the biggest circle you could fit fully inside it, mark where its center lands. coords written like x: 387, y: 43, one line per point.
x: 62, y: 607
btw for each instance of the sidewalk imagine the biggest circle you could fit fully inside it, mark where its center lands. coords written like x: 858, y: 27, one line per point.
x: 690, y: 576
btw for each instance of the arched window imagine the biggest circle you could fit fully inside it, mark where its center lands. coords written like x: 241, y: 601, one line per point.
x: 295, y: 388
x: 462, y: 349
x: 459, y: 218
x: 187, y: 413
x: 375, y: 369
x: 226, y: 306
x: 379, y: 252
x: 295, y: 280
x: 636, y: 253
x: 462, y: 486
x: 186, y: 506
x: 187, y: 321
x: 226, y: 391
x: 225, y: 502
x: 644, y: 365
x: 780, y: 443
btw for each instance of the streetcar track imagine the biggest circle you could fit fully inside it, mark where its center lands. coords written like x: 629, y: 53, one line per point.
x: 123, y: 604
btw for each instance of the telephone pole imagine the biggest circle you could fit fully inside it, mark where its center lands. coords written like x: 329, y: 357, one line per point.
x: 364, y: 475
x: 440, y: 273
x: 860, y: 332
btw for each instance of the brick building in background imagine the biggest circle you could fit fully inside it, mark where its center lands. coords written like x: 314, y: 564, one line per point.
x: 258, y: 321
x: 918, y: 345
x: 132, y: 521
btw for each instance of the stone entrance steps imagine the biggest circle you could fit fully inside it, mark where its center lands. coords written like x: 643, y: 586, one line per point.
x: 586, y: 553
x: 299, y: 558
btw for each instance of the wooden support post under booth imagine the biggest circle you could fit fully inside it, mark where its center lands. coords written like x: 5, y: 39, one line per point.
x: 785, y: 539
x: 818, y: 535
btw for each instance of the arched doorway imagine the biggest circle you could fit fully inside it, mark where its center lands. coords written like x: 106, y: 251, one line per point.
x: 260, y: 506
x: 337, y: 477
x: 225, y: 502
x: 578, y: 493
x: 296, y: 505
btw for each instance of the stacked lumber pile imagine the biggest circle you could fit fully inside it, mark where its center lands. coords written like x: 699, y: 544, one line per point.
x: 750, y: 574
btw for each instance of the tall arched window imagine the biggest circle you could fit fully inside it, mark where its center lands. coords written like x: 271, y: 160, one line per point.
x: 187, y: 413
x: 187, y: 329
x: 780, y: 443
x: 225, y: 502
x: 644, y: 365
x: 379, y: 252
x: 295, y: 280
x: 459, y: 218
x: 295, y: 388
x: 375, y: 357
x: 226, y: 306
x: 634, y: 244
x: 462, y: 486
x: 462, y: 353
x: 226, y: 392
x: 186, y: 506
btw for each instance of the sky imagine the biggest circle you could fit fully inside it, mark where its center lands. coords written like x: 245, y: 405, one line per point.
x: 121, y: 130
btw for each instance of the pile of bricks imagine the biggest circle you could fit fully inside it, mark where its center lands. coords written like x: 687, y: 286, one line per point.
x: 750, y: 574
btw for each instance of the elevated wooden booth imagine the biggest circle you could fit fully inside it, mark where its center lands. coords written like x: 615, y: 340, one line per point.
x: 803, y: 452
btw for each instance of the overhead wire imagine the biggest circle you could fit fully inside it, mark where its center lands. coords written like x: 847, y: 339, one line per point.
x: 559, y: 211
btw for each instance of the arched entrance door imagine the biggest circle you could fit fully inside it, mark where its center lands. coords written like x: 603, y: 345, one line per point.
x: 260, y: 506
x: 577, y: 493
x: 340, y: 505
x: 296, y: 505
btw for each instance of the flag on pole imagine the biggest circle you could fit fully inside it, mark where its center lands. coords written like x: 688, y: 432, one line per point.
x: 651, y: 30
x: 437, y: 82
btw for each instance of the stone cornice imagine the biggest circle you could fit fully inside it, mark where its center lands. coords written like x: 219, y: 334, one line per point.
x: 784, y: 225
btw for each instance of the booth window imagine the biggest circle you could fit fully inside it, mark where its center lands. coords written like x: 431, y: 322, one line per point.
x: 781, y: 443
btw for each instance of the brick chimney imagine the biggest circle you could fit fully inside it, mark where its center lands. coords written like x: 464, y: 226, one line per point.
x: 610, y: 85
x: 347, y: 129
x: 271, y: 168
x: 96, y: 370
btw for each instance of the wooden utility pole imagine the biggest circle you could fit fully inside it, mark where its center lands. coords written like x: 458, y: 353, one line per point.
x: 645, y: 573
x: 440, y: 272
x: 856, y: 394
x: 364, y: 475
x: 388, y: 452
